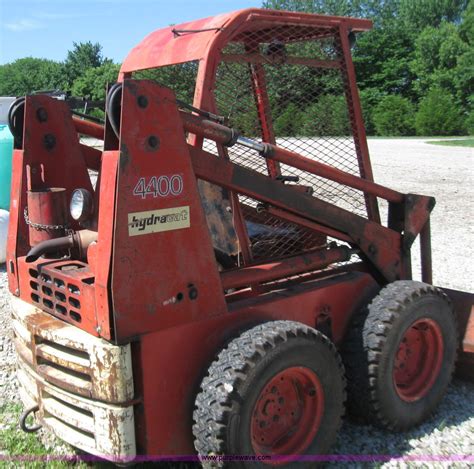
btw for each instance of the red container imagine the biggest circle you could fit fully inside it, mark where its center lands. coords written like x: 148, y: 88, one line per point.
x: 47, y: 214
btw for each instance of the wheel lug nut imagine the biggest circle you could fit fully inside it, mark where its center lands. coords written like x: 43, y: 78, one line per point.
x: 274, y: 390
x: 312, y: 392
x: 281, y: 400
x: 276, y: 418
x: 262, y: 424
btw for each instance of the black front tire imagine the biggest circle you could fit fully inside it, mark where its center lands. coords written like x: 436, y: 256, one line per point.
x: 236, y: 380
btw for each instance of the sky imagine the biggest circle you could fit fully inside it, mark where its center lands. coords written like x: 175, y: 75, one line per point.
x: 47, y: 28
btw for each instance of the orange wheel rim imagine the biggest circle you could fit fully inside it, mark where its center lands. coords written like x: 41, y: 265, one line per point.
x: 418, y: 360
x: 287, y: 413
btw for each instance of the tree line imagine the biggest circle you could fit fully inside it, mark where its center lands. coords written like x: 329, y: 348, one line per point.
x: 84, y: 73
x: 415, y: 68
x: 415, y: 71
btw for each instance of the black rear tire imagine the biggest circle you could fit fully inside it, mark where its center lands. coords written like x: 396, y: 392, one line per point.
x: 399, y: 355
x: 226, y: 416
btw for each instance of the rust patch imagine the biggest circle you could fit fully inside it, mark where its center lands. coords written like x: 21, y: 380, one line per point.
x: 124, y: 157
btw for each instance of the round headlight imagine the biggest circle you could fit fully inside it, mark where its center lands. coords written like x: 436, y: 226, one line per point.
x: 81, y: 205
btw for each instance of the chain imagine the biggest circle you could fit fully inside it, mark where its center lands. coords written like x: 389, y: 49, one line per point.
x: 40, y: 226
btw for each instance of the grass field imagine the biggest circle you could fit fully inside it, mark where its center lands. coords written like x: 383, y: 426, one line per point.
x: 419, y: 137
x: 16, y: 445
x: 465, y: 142
x: 22, y: 450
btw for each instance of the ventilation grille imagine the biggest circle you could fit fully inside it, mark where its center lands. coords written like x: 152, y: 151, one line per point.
x: 64, y: 366
x: 55, y: 295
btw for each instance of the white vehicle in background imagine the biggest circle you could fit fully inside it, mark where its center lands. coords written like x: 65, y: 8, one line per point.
x: 5, y: 102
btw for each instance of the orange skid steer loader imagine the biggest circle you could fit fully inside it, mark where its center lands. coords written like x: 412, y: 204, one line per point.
x: 216, y: 279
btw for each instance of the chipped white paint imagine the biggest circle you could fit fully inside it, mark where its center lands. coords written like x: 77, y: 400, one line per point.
x: 109, y: 366
x: 169, y: 301
x: 96, y: 425
x: 101, y: 429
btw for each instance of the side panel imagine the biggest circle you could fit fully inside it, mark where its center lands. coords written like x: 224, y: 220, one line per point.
x: 17, y: 243
x: 51, y: 157
x: 52, y: 153
x: 163, y: 272
x: 174, y: 361
x: 102, y: 261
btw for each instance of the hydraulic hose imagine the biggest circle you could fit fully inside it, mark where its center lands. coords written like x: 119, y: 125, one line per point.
x: 16, y: 114
x: 25, y: 415
x: 113, y: 107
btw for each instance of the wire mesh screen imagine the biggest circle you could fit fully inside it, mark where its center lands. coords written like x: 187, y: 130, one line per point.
x: 270, y: 236
x: 285, y: 85
x: 181, y: 78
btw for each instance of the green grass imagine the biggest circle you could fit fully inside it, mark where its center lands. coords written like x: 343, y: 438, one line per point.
x: 16, y: 444
x: 25, y: 450
x: 465, y: 142
x: 417, y: 137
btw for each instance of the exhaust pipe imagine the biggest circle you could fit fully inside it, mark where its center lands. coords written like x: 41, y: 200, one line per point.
x: 80, y: 240
x: 49, y: 246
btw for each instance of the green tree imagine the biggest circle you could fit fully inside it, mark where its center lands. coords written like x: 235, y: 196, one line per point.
x: 377, y: 9
x: 82, y: 57
x: 438, y: 60
x: 93, y: 82
x: 289, y: 122
x: 24, y: 76
x: 394, y: 116
x: 469, y: 123
x: 382, y: 59
x: 465, y: 69
x: 180, y: 78
x: 330, y: 7
x: 382, y: 55
x: 417, y: 14
x: 466, y: 28
x: 369, y: 98
x: 327, y: 118
x: 438, y: 115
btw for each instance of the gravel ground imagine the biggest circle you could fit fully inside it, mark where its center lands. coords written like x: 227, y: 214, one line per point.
x: 411, y: 165
x: 8, y: 385
x: 408, y: 165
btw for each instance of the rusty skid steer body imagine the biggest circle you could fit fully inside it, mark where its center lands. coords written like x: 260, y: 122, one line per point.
x: 221, y: 285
